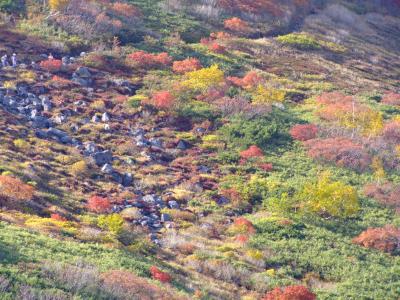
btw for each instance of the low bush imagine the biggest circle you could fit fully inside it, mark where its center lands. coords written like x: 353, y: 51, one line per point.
x: 386, y: 239
x: 98, y: 204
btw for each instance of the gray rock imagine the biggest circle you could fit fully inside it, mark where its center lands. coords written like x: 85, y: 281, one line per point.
x: 107, y: 127
x: 65, y: 60
x: 165, y: 218
x: 95, y: 119
x: 107, y: 169
x: 103, y: 157
x: 105, y: 117
x: 151, y: 199
x: 59, y: 119
x: 173, y: 204
x: 41, y: 122
x: 156, y: 142
x: 183, y: 145
x: 83, y: 72
x: 90, y: 148
x: 117, y: 177
x: 127, y: 179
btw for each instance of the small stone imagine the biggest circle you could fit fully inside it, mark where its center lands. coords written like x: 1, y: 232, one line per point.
x: 107, y: 169
x: 173, y: 204
x: 105, y: 117
x: 165, y: 218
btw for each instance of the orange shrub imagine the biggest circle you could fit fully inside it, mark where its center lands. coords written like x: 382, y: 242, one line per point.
x: 51, y: 65
x: 243, y: 226
x: 98, y: 204
x: 149, y: 60
x: 386, y: 239
x: 293, y: 292
x: 187, y: 65
x: 15, y: 189
x: 163, y: 99
x: 250, y: 80
x: 125, y: 10
x: 237, y: 25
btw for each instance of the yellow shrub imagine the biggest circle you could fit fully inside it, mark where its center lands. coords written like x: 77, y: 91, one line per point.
x: 79, y: 168
x: 201, y: 80
x: 58, y: 4
x: 21, y: 144
x: 263, y: 95
x: 28, y: 76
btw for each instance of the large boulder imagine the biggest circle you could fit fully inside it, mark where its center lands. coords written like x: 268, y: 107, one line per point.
x: 102, y: 157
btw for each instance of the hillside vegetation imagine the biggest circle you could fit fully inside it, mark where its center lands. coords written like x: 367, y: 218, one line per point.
x: 179, y: 149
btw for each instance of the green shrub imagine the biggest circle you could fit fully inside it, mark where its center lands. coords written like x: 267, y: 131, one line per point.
x: 299, y: 40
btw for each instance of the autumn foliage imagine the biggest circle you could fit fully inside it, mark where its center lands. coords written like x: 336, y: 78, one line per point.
x: 237, y: 25
x: 163, y: 99
x: 250, y: 80
x: 14, y: 189
x: 252, y: 152
x: 98, y: 204
x: 159, y: 275
x: 391, y: 132
x: 51, y: 65
x: 293, y: 292
x: 149, y: 60
x: 304, y: 132
x: 341, y: 151
x: 387, y: 194
x: 386, y: 239
x: 125, y: 10
x: 391, y: 99
x: 243, y: 226
x: 187, y: 65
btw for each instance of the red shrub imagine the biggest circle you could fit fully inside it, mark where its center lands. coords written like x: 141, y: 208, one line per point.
x: 237, y: 25
x: 391, y: 99
x: 242, y: 224
x: 387, y: 194
x: 391, y: 132
x: 163, y: 99
x: 159, y: 275
x: 51, y: 65
x: 242, y: 238
x: 267, y: 167
x: 58, y: 217
x: 344, y: 152
x: 250, y: 80
x: 98, y: 204
x: 252, y: 152
x: 187, y: 65
x: 149, y: 60
x: 386, y: 239
x: 304, y: 132
x: 216, y: 48
x: 15, y: 189
x: 293, y: 292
